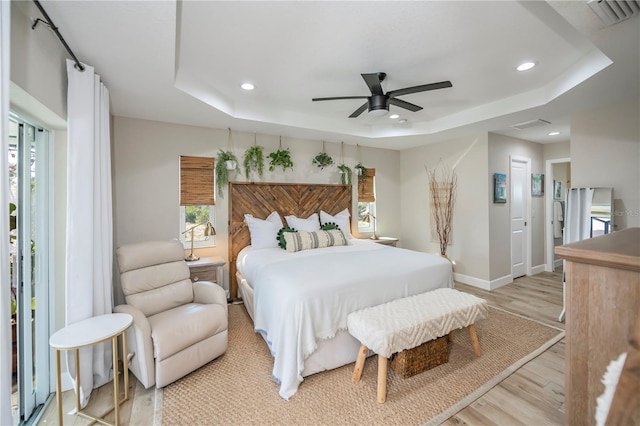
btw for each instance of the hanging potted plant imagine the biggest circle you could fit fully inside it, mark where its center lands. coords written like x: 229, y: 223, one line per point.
x: 345, y: 174
x: 345, y: 171
x: 281, y: 157
x: 323, y: 159
x: 224, y: 161
x: 361, y: 171
x: 254, y: 159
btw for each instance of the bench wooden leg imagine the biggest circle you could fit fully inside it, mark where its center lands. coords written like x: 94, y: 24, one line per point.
x: 357, y: 371
x: 474, y: 339
x: 382, y: 378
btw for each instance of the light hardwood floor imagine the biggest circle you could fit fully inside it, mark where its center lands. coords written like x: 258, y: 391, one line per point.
x: 534, y: 394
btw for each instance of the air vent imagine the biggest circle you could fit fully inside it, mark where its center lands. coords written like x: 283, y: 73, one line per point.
x: 613, y: 11
x: 528, y: 124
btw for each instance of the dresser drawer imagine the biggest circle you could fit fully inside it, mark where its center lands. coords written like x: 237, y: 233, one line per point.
x: 208, y: 274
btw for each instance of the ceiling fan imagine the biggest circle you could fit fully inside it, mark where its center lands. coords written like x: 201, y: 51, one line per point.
x: 378, y: 103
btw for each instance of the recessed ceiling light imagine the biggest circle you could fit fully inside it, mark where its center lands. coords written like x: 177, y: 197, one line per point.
x: 394, y: 116
x: 247, y: 86
x: 526, y: 66
x: 553, y: 133
x: 402, y: 120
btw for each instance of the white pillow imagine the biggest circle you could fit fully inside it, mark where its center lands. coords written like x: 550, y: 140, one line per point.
x: 264, y: 233
x: 309, y: 224
x: 341, y: 219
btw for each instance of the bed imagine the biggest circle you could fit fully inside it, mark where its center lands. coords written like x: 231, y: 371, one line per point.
x: 299, y: 301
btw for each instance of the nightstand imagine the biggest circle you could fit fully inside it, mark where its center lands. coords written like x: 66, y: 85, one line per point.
x: 387, y: 241
x: 208, y: 269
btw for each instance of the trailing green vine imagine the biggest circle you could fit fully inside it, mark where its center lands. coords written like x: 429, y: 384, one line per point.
x: 254, y: 160
x: 345, y: 174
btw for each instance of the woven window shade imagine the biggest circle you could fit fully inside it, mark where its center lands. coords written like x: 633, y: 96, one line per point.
x: 196, y: 181
x: 366, y: 187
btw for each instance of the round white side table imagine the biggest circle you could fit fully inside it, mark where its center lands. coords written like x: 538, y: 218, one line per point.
x: 88, y: 332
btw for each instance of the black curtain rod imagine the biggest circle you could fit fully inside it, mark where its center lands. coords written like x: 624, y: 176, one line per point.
x: 49, y: 23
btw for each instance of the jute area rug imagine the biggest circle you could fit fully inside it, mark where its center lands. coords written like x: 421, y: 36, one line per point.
x: 237, y: 387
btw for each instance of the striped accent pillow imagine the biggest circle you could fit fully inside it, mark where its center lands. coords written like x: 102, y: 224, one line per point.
x: 302, y: 240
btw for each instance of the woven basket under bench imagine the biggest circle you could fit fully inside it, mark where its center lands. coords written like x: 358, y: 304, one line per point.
x: 421, y: 358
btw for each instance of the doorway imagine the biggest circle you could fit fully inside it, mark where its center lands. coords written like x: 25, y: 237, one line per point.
x: 520, y: 216
x: 29, y: 207
x: 558, y: 172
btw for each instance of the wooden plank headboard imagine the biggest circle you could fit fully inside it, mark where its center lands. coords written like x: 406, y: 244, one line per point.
x: 261, y: 198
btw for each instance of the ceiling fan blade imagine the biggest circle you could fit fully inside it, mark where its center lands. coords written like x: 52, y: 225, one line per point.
x: 422, y: 88
x: 339, y: 97
x: 359, y: 110
x: 406, y: 105
x: 373, y: 80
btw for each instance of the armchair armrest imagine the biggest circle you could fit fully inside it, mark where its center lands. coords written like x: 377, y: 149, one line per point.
x: 140, y: 344
x: 207, y: 292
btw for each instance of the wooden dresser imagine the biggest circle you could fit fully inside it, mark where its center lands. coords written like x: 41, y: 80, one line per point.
x: 603, y: 305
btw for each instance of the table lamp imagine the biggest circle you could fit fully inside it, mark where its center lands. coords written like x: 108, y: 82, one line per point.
x: 208, y: 231
x: 368, y: 220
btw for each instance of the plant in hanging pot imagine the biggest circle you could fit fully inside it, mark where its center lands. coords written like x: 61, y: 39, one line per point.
x: 322, y: 160
x: 254, y: 160
x: 226, y: 162
x: 345, y: 174
x: 282, y: 158
x: 361, y: 171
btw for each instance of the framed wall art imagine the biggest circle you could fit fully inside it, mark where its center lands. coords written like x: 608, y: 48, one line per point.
x: 499, y: 188
x: 557, y: 190
x: 537, y: 185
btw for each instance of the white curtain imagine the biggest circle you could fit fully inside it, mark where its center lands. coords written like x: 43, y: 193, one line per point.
x: 577, y: 223
x: 5, y: 291
x: 577, y: 220
x: 88, y: 286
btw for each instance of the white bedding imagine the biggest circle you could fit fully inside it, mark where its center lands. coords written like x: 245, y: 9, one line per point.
x: 303, y: 297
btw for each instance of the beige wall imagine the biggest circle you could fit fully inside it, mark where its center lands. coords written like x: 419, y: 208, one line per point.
x: 605, y: 152
x: 37, y: 59
x: 501, y: 148
x: 469, y: 248
x: 146, y: 167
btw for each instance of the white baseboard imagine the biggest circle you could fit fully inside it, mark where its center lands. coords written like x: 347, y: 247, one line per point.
x: 537, y: 269
x: 557, y: 263
x: 483, y: 284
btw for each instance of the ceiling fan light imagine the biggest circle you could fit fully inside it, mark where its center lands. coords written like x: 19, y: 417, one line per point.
x: 379, y: 112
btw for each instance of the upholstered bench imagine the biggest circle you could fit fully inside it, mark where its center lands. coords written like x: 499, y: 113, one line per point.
x: 408, y: 322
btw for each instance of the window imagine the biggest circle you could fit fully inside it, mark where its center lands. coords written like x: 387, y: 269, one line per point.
x: 365, y: 223
x: 191, y: 216
x: 367, y: 201
x: 196, y: 200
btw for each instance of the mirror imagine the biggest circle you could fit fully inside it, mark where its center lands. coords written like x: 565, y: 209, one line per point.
x: 588, y: 213
x: 601, y: 212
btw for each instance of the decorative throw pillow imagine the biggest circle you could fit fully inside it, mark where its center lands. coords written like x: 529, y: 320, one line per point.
x: 342, y: 219
x: 329, y: 226
x: 264, y: 232
x: 282, y: 242
x: 301, y: 240
x: 309, y: 224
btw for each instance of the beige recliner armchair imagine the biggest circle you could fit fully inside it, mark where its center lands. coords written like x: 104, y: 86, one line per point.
x: 178, y: 326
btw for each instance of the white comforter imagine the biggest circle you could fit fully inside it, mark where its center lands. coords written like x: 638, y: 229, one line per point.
x: 303, y: 297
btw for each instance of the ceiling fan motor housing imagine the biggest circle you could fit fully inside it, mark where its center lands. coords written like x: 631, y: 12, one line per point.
x: 379, y: 103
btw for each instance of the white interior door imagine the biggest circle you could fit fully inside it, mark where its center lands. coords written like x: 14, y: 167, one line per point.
x: 519, y: 216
